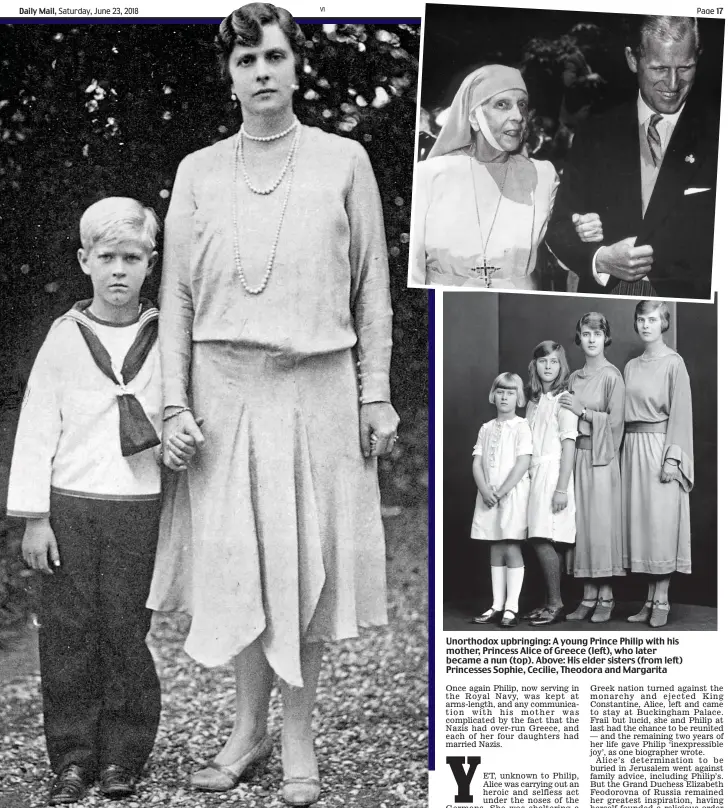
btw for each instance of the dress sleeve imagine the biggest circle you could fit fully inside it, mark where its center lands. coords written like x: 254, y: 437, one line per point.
x: 36, y: 441
x: 679, y: 438
x: 568, y: 424
x: 524, y: 439
x: 607, y: 427
x: 550, y: 178
x: 479, y: 448
x: 176, y: 308
x: 420, y: 204
x: 370, y: 300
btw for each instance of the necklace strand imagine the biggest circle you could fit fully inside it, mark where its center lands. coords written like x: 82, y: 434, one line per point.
x: 290, y: 162
x: 495, y: 217
x: 279, y: 179
x: 268, y: 138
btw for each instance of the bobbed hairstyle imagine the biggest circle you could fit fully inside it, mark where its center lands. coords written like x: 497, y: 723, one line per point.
x: 244, y: 26
x: 597, y: 321
x: 117, y: 218
x: 662, y: 28
x: 535, y: 385
x: 509, y: 381
x: 648, y: 306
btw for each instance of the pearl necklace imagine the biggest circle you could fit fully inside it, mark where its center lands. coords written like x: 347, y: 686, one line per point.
x: 290, y: 162
x: 268, y: 138
x: 279, y: 180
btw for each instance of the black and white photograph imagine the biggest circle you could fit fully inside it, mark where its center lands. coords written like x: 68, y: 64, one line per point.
x: 213, y: 414
x: 579, y: 463
x: 567, y: 151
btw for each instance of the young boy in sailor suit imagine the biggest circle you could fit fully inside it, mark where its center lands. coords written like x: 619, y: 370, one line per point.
x: 85, y: 475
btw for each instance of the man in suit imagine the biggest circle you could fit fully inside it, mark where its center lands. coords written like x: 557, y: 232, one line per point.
x: 639, y: 181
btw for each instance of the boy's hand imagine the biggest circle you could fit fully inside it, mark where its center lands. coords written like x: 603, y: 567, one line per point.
x: 39, y: 545
x: 181, y: 437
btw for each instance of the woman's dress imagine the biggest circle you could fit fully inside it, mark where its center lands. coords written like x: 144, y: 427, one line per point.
x: 658, y: 425
x: 458, y: 208
x: 275, y: 531
x: 550, y: 425
x: 598, y: 549
x: 499, y: 444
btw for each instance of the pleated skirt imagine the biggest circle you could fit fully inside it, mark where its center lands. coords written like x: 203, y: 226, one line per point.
x: 275, y: 531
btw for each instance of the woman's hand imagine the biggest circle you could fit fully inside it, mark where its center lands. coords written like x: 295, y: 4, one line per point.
x: 181, y: 438
x: 588, y: 227
x: 571, y: 402
x: 378, y: 423
x: 39, y: 545
x: 670, y: 472
x: 559, y: 501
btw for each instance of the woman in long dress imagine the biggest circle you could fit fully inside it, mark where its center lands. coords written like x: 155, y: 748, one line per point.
x: 275, y: 332
x: 596, y: 396
x: 657, y: 462
x: 481, y: 206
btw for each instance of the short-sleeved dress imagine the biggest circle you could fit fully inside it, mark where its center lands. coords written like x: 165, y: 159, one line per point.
x: 658, y: 425
x: 597, y: 552
x: 550, y: 425
x: 459, y: 208
x: 275, y: 533
x: 499, y: 444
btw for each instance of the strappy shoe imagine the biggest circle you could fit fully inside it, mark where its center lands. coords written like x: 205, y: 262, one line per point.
x: 301, y: 790
x: 534, y: 613
x: 489, y: 616
x: 583, y: 610
x: 216, y: 777
x: 660, y: 611
x: 643, y: 615
x: 549, y: 616
x: 603, y: 611
x: 509, y: 621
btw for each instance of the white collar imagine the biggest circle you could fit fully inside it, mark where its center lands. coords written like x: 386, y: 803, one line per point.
x: 644, y: 113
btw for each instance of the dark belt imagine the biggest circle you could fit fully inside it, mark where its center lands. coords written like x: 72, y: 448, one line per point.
x: 646, y: 426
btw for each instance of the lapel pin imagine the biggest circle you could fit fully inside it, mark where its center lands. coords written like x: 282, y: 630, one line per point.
x: 689, y: 158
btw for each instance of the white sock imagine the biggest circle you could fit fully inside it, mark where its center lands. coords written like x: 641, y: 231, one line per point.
x: 514, y: 578
x: 498, y: 582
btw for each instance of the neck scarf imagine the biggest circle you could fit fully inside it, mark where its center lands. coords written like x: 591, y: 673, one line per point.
x: 136, y: 432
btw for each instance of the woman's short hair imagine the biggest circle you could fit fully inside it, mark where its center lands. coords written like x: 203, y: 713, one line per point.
x: 647, y: 306
x: 117, y: 218
x: 508, y: 381
x: 596, y: 321
x: 535, y: 386
x: 244, y: 26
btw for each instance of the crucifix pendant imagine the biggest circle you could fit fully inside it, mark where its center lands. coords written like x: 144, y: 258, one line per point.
x: 485, y: 273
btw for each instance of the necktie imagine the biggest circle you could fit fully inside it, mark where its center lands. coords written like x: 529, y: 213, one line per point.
x: 653, y: 139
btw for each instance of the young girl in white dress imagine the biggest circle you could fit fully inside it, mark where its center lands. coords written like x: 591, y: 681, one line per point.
x: 501, y: 458
x: 551, y: 510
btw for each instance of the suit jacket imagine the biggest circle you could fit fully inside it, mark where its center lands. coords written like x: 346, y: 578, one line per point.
x: 602, y: 175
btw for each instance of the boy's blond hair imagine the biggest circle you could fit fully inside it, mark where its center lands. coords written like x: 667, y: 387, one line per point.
x: 117, y: 218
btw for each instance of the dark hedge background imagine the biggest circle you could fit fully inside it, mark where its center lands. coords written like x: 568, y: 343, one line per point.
x: 88, y: 111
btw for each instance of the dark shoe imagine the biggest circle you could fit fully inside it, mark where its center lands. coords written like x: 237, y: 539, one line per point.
x: 69, y: 786
x: 549, y: 616
x: 491, y: 616
x: 583, y: 610
x: 534, y: 613
x: 116, y: 782
x: 509, y: 622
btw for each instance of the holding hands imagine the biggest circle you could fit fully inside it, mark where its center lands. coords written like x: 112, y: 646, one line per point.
x: 181, y: 437
x: 489, y: 496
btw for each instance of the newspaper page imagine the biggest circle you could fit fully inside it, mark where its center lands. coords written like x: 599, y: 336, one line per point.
x: 576, y: 659
x: 106, y: 101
